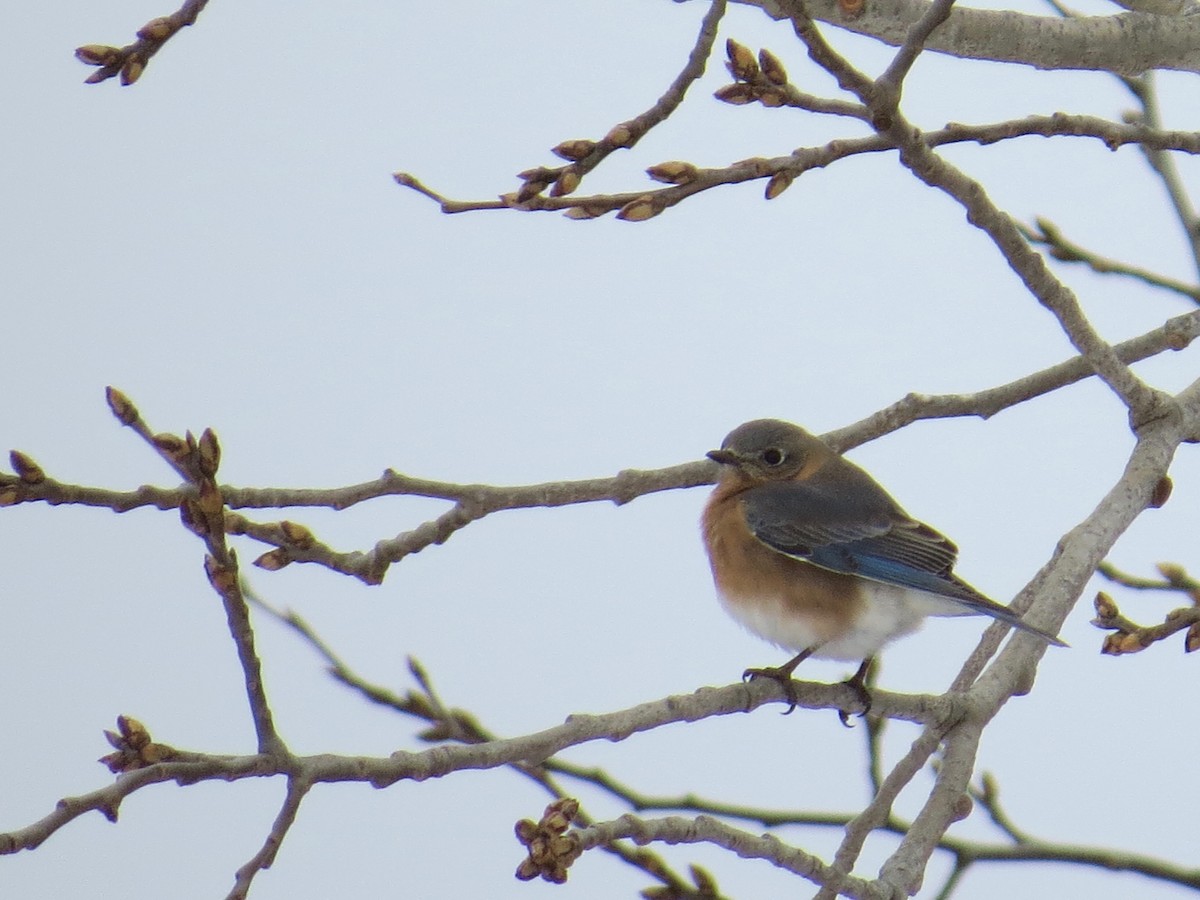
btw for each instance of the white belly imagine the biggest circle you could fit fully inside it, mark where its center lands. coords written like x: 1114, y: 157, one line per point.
x: 888, y: 613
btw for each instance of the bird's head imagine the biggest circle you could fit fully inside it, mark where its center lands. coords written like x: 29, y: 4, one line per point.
x: 771, y: 450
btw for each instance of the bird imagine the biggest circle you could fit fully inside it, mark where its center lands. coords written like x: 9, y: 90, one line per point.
x: 809, y: 552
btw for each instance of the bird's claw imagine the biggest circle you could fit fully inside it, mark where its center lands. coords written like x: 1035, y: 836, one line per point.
x: 857, y: 683
x: 782, y: 676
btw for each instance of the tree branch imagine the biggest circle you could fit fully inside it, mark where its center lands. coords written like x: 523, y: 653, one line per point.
x: 1064, y: 250
x: 1128, y: 43
x: 130, y: 61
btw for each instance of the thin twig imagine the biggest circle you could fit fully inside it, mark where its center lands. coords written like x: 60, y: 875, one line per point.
x: 1143, y: 88
x: 1064, y: 250
x: 203, y: 513
x: 1111, y: 134
x: 914, y: 44
x: 130, y: 61
x: 296, y: 790
x: 586, y: 155
x: 707, y: 830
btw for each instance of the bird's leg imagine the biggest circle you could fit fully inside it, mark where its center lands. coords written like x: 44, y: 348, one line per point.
x: 782, y: 675
x: 858, y: 683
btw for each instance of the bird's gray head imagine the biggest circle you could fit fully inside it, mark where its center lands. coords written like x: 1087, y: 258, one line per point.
x: 771, y: 450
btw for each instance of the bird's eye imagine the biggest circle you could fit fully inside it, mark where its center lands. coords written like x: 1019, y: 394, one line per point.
x: 773, y: 456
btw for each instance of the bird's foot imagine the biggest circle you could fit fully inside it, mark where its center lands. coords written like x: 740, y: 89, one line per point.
x: 782, y: 676
x: 858, y: 683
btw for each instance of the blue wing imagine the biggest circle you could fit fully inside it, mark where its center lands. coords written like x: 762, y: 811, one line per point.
x: 852, y: 526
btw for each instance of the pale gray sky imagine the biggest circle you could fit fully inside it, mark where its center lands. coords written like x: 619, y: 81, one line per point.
x: 224, y: 243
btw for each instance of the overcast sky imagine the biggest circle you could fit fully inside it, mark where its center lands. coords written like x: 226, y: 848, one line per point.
x: 223, y: 241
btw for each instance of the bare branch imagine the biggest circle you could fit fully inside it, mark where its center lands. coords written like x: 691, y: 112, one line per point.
x: 707, y: 830
x: 1143, y: 402
x: 914, y: 43
x: 1177, y: 333
x: 1130, y: 637
x: 1047, y: 233
x: 1128, y: 43
x: 188, y: 767
x: 296, y: 790
x: 697, y: 180
x: 1164, y: 166
x: 202, y: 511
x: 472, y: 501
x: 586, y: 155
x: 130, y: 61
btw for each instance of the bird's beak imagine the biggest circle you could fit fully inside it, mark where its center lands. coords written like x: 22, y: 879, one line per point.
x: 724, y: 457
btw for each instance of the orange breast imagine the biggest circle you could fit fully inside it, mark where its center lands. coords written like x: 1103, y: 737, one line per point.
x: 764, y: 589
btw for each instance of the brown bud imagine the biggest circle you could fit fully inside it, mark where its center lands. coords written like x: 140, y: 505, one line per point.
x: 192, y: 516
x: 530, y: 189
x: 1161, y: 492
x: 96, y: 54
x: 435, y: 733
x: 132, y: 70
x: 1119, y: 643
x: 116, y: 764
x: 121, y: 406
x: 737, y: 94
x: 273, y: 560
x: 772, y: 67
x: 851, y: 9
x: 1172, y: 572
x: 296, y: 534
x: 703, y: 880
x: 526, y: 830
x: 527, y: 870
x: 639, y: 210
x: 1048, y: 229
x: 779, y: 183
x: 564, y: 806
x: 157, y: 29
x: 988, y: 787
x: 28, y: 470
x: 1191, y: 640
x: 742, y: 64
x: 586, y: 211
x: 574, y: 150
x: 172, y: 445
x: 8, y: 496
x: 566, y: 183
x: 223, y: 578
x: 209, y: 500
x: 771, y: 98
x: 673, y: 172
x: 133, y: 731
x: 156, y: 753
x: 1106, y: 609
x: 620, y: 135
x: 1132, y: 643
x: 1111, y: 645
x: 209, y: 455
x: 100, y: 75
x: 538, y: 173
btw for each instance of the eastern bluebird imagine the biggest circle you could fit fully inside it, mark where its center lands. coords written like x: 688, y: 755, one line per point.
x: 810, y: 553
